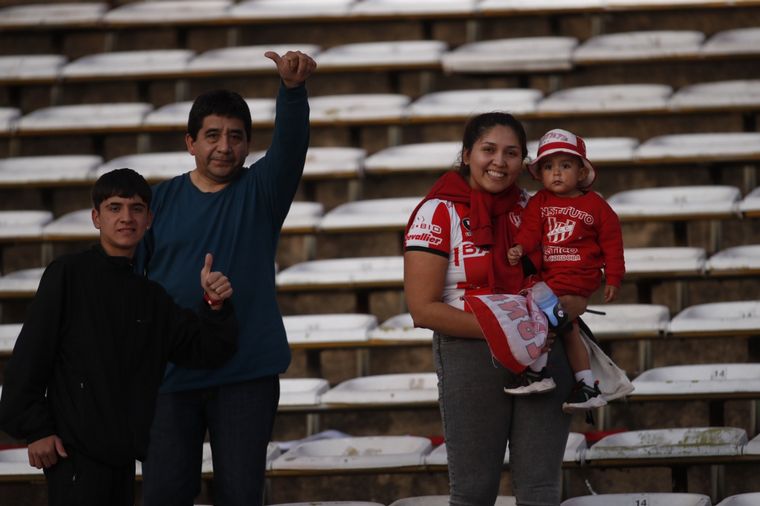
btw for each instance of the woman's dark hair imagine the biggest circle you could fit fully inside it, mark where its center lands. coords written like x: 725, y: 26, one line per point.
x: 124, y: 183
x: 225, y: 103
x: 477, y: 126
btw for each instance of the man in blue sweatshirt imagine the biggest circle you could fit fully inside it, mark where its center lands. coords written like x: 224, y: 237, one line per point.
x: 235, y: 213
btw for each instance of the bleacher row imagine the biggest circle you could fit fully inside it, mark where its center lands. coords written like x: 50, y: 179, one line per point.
x: 529, y: 54
x: 654, y: 126
x: 399, y: 110
x: 98, y: 15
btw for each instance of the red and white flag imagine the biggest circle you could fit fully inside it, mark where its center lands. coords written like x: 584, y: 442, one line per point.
x: 515, y: 328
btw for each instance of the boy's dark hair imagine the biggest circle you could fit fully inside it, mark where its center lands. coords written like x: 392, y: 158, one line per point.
x: 479, y: 125
x: 223, y: 103
x: 124, y: 183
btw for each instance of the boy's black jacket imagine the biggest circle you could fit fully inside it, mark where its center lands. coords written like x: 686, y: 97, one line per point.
x: 96, y: 339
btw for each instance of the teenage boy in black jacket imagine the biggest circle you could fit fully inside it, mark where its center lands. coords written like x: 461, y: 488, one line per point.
x: 81, y: 385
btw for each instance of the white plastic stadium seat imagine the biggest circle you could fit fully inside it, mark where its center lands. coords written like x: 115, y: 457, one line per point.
x: 76, y: 225
x: 443, y: 500
x: 379, y: 452
x: 52, y: 14
x: 664, y: 261
x: 152, y: 62
x: 733, y: 42
x: 385, y: 389
x: 343, y: 273
x: 640, y: 498
x: 167, y: 11
x: 289, y: 9
x: 738, y: 317
x: 739, y: 93
x: 699, y: 380
x: 15, y: 462
x: 643, y: 45
x: 370, y: 215
x: 423, y: 157
x: 8, y: 334
x: 395, y: 54
x: 677, y: 202
x: 17, y: 225
x: 608, y: 98
x: 329, y: 109
x: 575, y: 446
x: 87, y: 116
x: 333, y: 162
x: 8, y: 118
x: 330, y: 503
x: 753, y: 447
x: 602, y: 149
x: 635, y: 4
x: 747, y: 499
x: 628, y: 320
x: 175, y: 115
x: 738, y: 259
x: 302, y: 391
x: 152, y: 166
x: 552, y: 6
x: 303, y: 217
x: 466, y: 103
x: 245, y: 58
x: 21, y: 283
x: 419, y: 7
x: 31, y: 67
x: 750, y: 205
x: 328, y: 328
x: 55, y: 169
x: 702, y: 146
x: 670, y: 443
x: 512, y: 55
x: 400, y: 328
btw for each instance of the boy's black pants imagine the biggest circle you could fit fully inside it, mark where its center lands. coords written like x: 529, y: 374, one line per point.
x: 81, y: 481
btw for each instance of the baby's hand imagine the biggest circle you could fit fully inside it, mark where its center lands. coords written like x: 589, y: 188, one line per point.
x: 610, y: 293
x: 514, y: 254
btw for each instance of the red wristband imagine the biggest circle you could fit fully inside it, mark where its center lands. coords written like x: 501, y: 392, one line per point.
x: 211, y: 302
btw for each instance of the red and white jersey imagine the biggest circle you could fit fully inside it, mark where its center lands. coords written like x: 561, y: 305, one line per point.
x: 579, y: 237
x: 443, y: 228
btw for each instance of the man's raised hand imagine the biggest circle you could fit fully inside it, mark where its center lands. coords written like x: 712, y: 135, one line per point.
x: 294, y: 67
x: 216, y: 285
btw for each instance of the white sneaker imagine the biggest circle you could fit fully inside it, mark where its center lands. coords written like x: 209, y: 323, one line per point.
x: 531, y: 382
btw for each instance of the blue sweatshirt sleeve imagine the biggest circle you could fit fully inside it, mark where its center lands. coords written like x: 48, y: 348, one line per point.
x: 281, y: 168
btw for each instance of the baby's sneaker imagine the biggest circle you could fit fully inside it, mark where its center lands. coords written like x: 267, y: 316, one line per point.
x: 531, y: 382
x: 584, y: 397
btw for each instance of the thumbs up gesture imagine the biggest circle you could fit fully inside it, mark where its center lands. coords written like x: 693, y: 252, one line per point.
x: 294, y: 67
x: 216, y: 285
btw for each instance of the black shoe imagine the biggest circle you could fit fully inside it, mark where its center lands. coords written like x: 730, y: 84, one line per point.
x: 531, y: 382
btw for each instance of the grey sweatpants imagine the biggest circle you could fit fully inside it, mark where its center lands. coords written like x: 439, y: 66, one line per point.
x: 479, y: 419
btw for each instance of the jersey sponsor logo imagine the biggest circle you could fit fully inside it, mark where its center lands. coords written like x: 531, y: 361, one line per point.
x: 468, y: 250
x: 422, y: 231
x: 559, y: 231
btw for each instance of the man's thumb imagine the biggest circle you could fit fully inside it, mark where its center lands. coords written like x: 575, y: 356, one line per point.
x: 208, y: 262
x: 273, y: 56
x: 59, y: 448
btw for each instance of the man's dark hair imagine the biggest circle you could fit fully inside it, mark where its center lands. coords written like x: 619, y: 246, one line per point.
x: 223, y: 103
x: 124, y: 183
